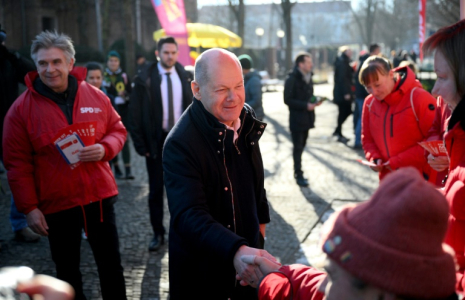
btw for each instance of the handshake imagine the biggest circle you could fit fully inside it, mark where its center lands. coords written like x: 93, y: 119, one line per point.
x: 253, y: 264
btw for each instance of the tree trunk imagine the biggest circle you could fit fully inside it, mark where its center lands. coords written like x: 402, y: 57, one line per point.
x: 287, y: 6
x: 82, y: 22
x: 129, y: 37
x: 106, y: 24
x: 239, y: 14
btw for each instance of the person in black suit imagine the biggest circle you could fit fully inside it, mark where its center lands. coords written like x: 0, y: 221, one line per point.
x: 161, y: 94
x: 298, y: 95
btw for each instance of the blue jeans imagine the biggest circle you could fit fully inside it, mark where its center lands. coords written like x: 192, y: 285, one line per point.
x: 17, y: 219
x: 358, y: 120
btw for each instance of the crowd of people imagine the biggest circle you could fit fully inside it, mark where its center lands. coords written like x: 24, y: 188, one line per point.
x: 200, y: 139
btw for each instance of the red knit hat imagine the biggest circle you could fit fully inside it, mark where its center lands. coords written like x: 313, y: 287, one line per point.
x: 394, y: 240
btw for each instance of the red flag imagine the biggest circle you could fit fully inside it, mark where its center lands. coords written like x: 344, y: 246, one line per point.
x: 172, y: 17
x: 422, y: 25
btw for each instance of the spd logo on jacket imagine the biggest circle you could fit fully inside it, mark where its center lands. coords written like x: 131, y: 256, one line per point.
x: 91, y: 110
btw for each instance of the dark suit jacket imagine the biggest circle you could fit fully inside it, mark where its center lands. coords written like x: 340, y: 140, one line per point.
x: 146, y: 109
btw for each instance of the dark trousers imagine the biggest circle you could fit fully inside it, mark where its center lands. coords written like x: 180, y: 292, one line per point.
x: 64, y: 237
x: 156, y: 184
x: 123, y: 111
x: 345, y: 109
x: 299, y: 140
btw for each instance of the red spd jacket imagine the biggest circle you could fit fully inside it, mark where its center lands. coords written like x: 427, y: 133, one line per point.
x: 455, y: 194
x: 292, y: 282
x: 38, y: 175
x: 436, y: 132
x: 390, y: 130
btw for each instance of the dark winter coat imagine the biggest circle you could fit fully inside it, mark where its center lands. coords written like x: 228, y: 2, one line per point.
x: 454, y: 140
x: 13, y: 68
x: 253, y: 93
x: 360, y: 90
x: 207, y: 214
x: 343, y: 78
x: 146, y: 108
x: 297, y: 94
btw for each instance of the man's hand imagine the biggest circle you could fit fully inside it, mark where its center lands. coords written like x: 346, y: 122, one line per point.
x: 265, y: 265
x: 92, y: 153
x: 48, y: 287
x: 438, y: 163
x: 311, y: 106
x: 249, y: 274
x: 36, y: 221
x: 379, y: 163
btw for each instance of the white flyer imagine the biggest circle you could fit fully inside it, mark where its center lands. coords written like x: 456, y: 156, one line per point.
x: 69, y: 148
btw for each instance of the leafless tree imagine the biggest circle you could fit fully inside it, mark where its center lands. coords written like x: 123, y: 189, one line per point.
x: 366, y: 18
x: 238, y: 9
x: 286, y: 6
x: 441, y: 13
x: 129, y: 37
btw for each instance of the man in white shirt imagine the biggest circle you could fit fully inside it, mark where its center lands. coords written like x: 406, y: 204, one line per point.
x: 161, y: 94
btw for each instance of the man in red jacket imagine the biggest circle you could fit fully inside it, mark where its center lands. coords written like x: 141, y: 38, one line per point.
x: 58, y: 138
x: 390, y: 247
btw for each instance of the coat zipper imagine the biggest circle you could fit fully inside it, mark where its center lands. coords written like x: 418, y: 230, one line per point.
x: 230, y: 184
x: 384, y: 134
x: 392, y: 125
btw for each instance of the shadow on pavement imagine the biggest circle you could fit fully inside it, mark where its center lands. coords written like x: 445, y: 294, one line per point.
x: 281, y: 238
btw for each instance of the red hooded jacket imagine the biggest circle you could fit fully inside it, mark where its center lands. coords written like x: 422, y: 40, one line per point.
x: 436, y: 132
x: 292, y: 282
x: 38, y: 175
x: 390, y: 130
x: 455, y: 194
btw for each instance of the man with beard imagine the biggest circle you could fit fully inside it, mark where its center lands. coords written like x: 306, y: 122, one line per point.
x: 160, y: 95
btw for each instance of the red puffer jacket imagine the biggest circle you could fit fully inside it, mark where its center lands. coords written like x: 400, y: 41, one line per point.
x: 455, y: 195
x: 38, y: 175
x: 292, y: 282
x: 436, y: 132
x: 390, y: 130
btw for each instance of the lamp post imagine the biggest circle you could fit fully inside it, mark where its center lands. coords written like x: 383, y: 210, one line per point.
x: 260, y: 32
x: 280, y: 33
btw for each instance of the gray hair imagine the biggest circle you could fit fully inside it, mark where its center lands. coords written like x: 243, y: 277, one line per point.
x: 48, y: 39
x: 201, y: 70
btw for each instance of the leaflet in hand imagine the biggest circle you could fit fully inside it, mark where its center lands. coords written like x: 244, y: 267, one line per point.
x: 69, y: 148
x: 366, y: 163
x: 85, y: 130
x: 436, y: 148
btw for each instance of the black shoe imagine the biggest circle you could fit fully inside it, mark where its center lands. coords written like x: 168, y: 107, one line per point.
x: 342, y: 139
x: 156, y: 242
x: 358, y: 147
x: 118, y: 173
x: 128, y: 174
x: 301, y: 181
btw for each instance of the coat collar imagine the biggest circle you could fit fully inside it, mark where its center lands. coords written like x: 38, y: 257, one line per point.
x: 406, y: 84
x: 212, y: 128
x: 79, y: 73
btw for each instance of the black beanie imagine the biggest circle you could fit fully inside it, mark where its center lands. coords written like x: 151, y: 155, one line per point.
x: 246, y: 61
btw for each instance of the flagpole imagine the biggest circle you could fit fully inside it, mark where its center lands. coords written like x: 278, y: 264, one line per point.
x: 462, y: 9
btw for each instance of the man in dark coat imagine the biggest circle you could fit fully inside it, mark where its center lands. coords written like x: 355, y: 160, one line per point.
x: 360, y: 95
x: 253, y: 86
x: 13, y: 68
x: 160, y: 95
x: 215, y: 185
x: 343, y: 93
x: 298, y: 95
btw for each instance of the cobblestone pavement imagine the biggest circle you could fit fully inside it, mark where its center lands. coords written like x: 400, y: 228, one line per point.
x: 296, y: 213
